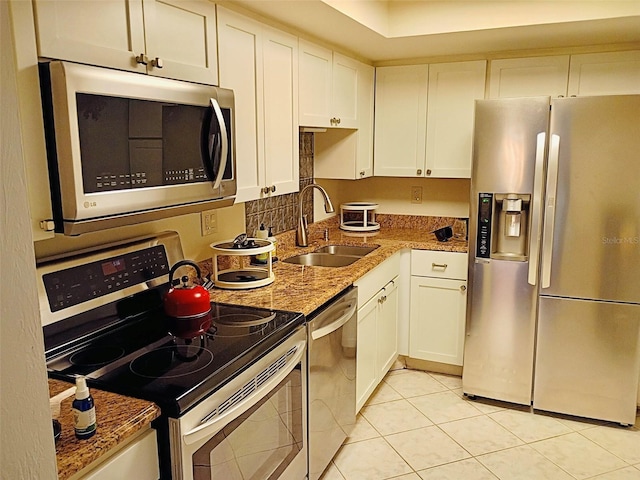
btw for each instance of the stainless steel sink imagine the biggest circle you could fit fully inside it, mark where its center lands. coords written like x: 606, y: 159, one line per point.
x: 346, y: 250
x: 322, y: 260
x: 331, y: 256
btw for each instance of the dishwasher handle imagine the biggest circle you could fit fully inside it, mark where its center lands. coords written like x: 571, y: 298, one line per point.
x: 333, y: 326
x: 344, y: 309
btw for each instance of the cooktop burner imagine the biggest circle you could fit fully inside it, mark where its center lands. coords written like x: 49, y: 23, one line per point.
x: 96, y: 356
x: 171, y: 362
x: 139, y: 357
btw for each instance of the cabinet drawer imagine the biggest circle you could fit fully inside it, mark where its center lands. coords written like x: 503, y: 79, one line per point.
x: 428, y: 263
x: 369, y: 284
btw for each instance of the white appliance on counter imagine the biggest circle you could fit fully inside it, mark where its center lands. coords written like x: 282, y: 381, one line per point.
x: 554, y: 299
x: 125, y: 148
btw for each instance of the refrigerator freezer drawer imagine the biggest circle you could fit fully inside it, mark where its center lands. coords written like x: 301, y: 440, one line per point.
x: 588, y: 359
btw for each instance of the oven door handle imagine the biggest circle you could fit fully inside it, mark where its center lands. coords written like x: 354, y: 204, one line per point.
x: 212, y: 423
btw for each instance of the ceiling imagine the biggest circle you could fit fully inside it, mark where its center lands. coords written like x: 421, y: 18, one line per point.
x: 391, y: 30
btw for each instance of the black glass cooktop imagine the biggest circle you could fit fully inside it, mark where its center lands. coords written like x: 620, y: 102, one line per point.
x: 139, y: 358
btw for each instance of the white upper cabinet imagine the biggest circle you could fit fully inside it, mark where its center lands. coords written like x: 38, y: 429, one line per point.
x: 529, y: 77
x: 167, y: 38
x: 424, y: 119
x: 453, y: 90
x: 400, y: 120
x: 260, y: 64
x: 329, y: 87
x: 612, y: 73
x: 341, y: 153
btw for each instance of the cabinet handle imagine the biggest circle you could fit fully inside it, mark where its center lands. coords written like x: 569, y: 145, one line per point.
x: 419, y: 172
x: 463, y: 288
x: 273, y: 188
x: 141, y: 59
x: 157, y: 62
x: 428, y: 172
x: 439, y: 265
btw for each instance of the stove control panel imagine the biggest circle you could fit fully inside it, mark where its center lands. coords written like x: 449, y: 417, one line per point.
x: 78, y: 284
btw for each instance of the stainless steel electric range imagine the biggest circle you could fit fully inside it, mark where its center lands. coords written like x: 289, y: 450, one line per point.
x: 233, y: 400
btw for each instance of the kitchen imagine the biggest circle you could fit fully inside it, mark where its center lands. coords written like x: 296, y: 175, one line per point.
x: 441, y: 197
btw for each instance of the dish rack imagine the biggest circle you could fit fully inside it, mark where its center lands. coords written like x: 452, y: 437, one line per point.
x: 246, y: 277
x: 358, y: 217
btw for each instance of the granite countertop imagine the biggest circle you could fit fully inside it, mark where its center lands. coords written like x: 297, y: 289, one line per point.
x: 119, y: 418
x: 303, y: 289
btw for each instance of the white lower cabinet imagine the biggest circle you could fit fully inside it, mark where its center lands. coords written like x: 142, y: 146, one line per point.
x: 377, y: 346
x: 438, y: 306
x: 137, y: 460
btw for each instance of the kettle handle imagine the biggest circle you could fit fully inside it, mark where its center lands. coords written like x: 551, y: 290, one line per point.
x: 179, y: 264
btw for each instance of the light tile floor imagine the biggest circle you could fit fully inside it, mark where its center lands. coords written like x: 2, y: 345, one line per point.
x: 418, y: 425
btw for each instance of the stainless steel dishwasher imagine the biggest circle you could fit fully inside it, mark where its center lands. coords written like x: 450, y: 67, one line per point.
x: 332, y: 378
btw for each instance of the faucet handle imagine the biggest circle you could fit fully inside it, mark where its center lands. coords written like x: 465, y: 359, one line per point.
x: 305, y: 223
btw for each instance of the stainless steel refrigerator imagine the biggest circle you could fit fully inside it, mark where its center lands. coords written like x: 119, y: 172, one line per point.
x: 554, y: 255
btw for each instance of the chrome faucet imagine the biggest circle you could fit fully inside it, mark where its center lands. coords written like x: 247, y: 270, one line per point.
x: 302, y: 232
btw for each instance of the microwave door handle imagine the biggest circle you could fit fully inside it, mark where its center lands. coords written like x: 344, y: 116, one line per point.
x: 224, y: 141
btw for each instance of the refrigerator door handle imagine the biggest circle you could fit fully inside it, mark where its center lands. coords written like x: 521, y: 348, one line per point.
x: 536, y: 225
x: 550, y: 211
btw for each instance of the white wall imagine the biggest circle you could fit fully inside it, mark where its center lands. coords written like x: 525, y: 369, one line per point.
x: 26, y: 435
x: 231, y: 222
x: 440, y: 197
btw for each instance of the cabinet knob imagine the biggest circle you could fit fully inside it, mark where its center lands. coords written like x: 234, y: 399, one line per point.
x: 157, y: 62
x: 463, y: 288
x: 428, y: 172
x: 338, y: 121
x: 419, y: 172
x: 273, y: 188
x: 362, y: 173
x: 265, y: 190
x: 141, y: 59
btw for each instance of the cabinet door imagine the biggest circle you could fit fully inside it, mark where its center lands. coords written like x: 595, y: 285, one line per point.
x: 400, y: 121
x: 529, y: 77
x: 387, y: 328
x: 315, y: 80
x: 182, y: 34
x: 344, y: 105
x: 108, y: 34
x: 347, y: 154
x: 613, y: 73
x: 240, y: 70
x: 366, y: 352
x: 437, y: 319
x: 453, y: 90
x: 280, y: 97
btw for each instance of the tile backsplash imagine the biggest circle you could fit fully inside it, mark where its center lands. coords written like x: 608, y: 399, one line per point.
x: 281, y: 211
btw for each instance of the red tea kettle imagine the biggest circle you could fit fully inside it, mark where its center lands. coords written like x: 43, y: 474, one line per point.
x: 187, y: 305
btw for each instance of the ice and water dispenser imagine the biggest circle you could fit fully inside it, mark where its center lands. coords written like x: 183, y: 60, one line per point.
x: 503, y: 226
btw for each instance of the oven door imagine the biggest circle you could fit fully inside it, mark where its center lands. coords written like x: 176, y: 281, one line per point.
x: 253, y: 427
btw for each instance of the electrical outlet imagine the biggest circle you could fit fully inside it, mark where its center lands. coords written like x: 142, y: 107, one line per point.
x: 209, y: 221
x: 416, y: 194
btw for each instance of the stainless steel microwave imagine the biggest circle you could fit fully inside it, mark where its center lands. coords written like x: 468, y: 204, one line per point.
x: 124, y: 147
